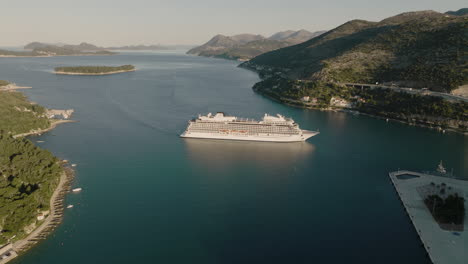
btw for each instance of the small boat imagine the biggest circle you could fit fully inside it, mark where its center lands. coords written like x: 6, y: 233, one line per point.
x: 441, y: 169
x: 77, y: 190
x: 70, y: 206
x: 73, y: 165
x: 40, y: 141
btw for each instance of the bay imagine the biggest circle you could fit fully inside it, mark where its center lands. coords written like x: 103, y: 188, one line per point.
x: 151, y: 197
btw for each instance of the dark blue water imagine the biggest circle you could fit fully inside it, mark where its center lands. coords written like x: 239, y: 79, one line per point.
x: 150, y: 197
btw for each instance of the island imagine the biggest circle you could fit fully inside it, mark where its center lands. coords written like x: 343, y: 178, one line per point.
x: 33, y: 182
x: 94, y: 70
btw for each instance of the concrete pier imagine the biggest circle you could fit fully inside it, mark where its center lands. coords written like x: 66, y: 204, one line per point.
x: 442, y: 246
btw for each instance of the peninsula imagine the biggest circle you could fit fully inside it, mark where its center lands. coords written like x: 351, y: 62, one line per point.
x: 94, y: 70
x: 33, y: 182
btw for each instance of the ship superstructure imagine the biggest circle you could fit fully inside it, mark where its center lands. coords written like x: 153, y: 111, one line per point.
x: 270, y: 128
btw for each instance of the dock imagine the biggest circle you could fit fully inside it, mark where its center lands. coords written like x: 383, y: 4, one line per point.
x: 442, y: 246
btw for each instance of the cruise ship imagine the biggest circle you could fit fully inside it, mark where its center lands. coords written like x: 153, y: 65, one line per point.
x: 271, y: 128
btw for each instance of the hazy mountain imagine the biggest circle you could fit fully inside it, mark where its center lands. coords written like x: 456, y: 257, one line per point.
x: 282, y: 35
x: 246, y: 38
x: 252, y: 49
x: 140, y: 47
x: 35, y: 45
x: 421, y: 49
x: 215, y: 46
x: 460, y: 12
x: 86, y: 47
x: 83, y: 47
x: 295, y: 37
x: 247, y: 46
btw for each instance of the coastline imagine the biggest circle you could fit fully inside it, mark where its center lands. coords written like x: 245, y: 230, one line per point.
x: 53, y: 219
x: 53, y: 124
x: 56, y: 203
x: 350, y: 110
x: 92, y: 74
x: 13, y: 87
x: 25, y: 56
x: 47, y: 56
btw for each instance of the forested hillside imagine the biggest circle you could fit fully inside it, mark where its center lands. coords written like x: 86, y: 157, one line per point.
x: 28, y: 174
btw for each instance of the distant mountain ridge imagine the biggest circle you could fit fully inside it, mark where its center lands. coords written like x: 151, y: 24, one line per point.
x: 460, y: 12
x: 247, y: 46
x: 90, y: 47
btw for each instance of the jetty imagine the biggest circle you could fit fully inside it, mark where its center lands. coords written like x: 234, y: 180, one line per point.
x: 443, y: 245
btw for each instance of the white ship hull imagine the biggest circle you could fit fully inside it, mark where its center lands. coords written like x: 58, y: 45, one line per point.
x: 265, y: 138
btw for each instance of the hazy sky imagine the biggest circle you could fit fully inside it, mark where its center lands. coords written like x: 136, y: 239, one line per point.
x: 121, y: 22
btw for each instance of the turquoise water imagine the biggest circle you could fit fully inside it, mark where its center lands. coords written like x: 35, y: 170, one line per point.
x: 150, y: 197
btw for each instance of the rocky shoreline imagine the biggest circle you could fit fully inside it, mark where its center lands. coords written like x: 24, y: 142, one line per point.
x: 418, y: 123
x: 13, y: 87
x: 48, y: 221
x: 53, y: 124
x: 55, y: 216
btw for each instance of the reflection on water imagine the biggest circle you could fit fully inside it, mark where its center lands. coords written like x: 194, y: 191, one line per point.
x: 223, y: 154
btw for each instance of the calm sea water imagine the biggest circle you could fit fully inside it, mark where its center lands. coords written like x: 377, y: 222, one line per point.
x: 150, y: 197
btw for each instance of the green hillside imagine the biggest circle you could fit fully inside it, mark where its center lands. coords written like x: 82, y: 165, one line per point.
x: 18, y: 115
x: 419, y: 49
x: 28, y: 174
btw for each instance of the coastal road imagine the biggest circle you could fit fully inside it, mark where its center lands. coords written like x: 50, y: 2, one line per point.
x: 446, y: 96
x: 54, y: 213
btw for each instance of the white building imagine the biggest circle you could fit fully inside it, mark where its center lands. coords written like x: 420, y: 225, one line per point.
x: 340, y: 102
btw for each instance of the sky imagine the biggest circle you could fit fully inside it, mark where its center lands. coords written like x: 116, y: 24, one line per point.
x: 187, y: 22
